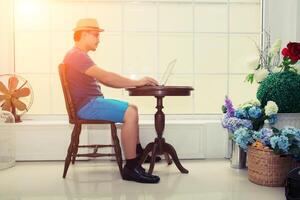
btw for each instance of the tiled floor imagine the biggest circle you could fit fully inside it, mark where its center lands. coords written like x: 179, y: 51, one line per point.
x: 207, y: 180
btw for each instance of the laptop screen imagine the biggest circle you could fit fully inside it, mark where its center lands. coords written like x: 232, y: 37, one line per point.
x: 167, y: 72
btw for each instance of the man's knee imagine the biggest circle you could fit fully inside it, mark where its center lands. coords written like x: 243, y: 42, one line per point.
x: 131, y: 113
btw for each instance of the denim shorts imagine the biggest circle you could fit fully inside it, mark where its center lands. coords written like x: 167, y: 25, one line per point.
x: 100, y: 108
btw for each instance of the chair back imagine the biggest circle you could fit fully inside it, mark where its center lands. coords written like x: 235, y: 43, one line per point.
x: 67, y: 95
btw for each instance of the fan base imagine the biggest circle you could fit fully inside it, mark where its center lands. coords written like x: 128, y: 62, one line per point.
x: 17, y: 117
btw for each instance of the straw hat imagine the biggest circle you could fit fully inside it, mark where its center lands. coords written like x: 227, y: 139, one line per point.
x: 87, y: 24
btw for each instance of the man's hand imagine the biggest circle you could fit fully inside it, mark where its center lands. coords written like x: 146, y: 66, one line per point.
x: 117, y: 81
x: 146, y: 81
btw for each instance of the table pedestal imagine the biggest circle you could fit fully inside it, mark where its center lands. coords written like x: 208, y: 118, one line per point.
x: 159, y: 146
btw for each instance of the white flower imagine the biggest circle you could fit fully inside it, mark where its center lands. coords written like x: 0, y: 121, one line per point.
x: 252, y: 62
x: 255, y: 102
x: 275, y: 48
x: 250, y: 103
x: 260, y: 75
x: 271, y: 108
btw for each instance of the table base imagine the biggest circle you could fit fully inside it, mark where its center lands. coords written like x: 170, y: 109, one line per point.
x: 160, y: 147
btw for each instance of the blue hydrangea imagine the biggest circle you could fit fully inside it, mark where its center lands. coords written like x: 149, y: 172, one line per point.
x: 257, y: 135
x: 263, y: 135
x: 234, y: 123
x: 240, y: 113
x: 243, y: 137
x: 290, y: 131
x: 295, y: 133
x: 282, y: 142
x: 273, y: 119
x: 255, y: 112
x: 267, y: 133
x: 297, y: 138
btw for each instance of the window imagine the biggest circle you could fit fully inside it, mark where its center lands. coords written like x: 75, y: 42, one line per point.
x: 210, y: 39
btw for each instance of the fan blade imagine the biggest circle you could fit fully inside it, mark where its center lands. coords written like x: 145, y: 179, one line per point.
x: 18, y: 104
x: 3, y: 88
x: 23, y: 92
x: 7, y: 105
x: 12, y: 83
x: 4, y: 97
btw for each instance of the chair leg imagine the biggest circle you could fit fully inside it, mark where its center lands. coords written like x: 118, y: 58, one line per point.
x: 117, y: 147
x: 76, y: 143
x: 71, y: 149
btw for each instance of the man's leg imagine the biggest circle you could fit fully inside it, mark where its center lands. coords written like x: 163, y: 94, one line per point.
x: 118, y: 111
x: 134, y: 116
x: 130, y: 130
x: 129, y: 135
x: 132, y: 170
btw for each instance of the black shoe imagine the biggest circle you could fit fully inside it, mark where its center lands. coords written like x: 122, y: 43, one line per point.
x: 148, y: 159
x: 146, y: 173
x: 141, y: 167
x: 138, y: 175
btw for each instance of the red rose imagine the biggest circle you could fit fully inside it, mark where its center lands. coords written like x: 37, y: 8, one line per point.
x: 285, y: 52
x: 292, y: 51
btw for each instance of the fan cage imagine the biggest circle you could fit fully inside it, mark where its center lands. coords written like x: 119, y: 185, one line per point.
x: 28, y: 100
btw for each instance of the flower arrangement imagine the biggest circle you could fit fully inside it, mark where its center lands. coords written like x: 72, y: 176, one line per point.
x: 248, y: 115
x: 268, y: 60
x: 281, y: 83
x: 279, y: 79
x: 283, y: 142
x: 282, y: 88
x: 245, y: 125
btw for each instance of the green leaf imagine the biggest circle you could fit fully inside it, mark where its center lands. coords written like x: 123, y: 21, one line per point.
x: 224, y: 109
x: 249, y: 78
x: 259, y: 65
x: 275, y: 130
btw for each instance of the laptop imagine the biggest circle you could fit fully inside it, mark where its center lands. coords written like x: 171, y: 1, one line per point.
x: 167, y: 73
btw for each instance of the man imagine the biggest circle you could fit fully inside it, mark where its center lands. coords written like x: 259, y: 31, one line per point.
x: 83, y: 76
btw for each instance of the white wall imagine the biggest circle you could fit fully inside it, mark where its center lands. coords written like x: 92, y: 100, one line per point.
x: 298, y: 21
x: 6, y: 37
x: 48, y: 140
x: 282, y: 20
x: 141, y: 38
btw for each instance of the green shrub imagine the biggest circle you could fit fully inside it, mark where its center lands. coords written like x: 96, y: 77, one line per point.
x: 282, y: 88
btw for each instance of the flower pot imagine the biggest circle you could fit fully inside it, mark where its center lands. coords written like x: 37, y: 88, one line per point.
x: 267, y: 169
x: 238, y: 156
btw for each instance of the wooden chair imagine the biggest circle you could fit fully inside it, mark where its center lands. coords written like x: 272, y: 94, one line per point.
x: 73, y: 119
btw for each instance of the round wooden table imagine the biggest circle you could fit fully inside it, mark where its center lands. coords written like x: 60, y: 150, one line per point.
x: 160, y: 146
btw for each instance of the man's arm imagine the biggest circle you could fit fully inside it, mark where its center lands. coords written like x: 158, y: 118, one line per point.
x: 115, y: 80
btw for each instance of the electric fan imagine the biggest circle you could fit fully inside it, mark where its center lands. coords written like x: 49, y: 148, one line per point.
x: 16, y: 95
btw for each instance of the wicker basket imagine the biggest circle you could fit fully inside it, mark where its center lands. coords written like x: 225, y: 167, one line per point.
x: 266, y: 168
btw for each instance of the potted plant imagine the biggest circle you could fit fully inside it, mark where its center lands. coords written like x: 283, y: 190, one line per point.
x: 279, y: 80
x: 270, y: 151
x: 240, y: 121
x: 271, y: 154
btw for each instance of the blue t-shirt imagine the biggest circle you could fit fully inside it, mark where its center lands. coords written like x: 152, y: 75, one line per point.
x: 82, y: 87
